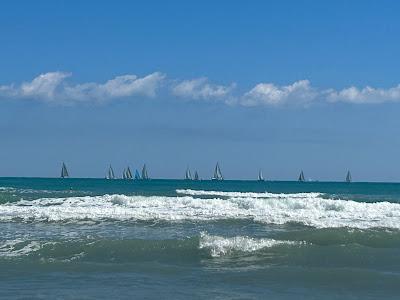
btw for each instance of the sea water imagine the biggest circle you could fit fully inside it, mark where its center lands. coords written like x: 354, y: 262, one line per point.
x: 122, y: 239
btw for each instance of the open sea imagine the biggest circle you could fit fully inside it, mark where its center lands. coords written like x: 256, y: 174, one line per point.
x: 175, y: 239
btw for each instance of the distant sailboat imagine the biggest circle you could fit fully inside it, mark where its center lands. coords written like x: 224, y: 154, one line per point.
x: 217, y: 173
x: 137, y: 175
x: 188, y: 174
x: 348, y: 177
x: 301, y: 177
x: 260, y: 176
x: 110, y: 173
x: 196, y: 176
x: 145, y: 176
x: 128, y: 173
x: 124, y: 174
x: 64, y: 171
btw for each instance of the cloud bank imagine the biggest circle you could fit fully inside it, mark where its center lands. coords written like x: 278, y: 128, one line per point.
x: 53, y: 87
x: 56, y: 87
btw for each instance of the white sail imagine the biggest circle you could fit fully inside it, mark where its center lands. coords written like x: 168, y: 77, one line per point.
x: 124, y: 174
x: 301, y: 177
x: 260, y: 176
x: 110, y: 173
x: 196, y: 176
x: 217, y: 173
x: 348, y: 177
x: 64, y: 171
x: 129, y: 173
x: 188, y: 174
x: 145, y: 176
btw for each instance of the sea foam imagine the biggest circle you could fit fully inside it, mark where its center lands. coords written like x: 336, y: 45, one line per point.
x: 309, y: 209
x: 220, y: 246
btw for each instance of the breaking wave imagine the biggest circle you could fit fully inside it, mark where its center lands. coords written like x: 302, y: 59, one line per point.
x: 127, y: 250
x: 246, y: 194
x: 309, y: 209
x: 220, y: 246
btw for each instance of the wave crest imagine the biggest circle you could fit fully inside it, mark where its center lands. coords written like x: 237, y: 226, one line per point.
x: 220, y: 246
x: 309, y: 209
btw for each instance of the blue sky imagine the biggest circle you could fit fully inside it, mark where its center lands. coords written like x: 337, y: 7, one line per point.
x: 277, y: 85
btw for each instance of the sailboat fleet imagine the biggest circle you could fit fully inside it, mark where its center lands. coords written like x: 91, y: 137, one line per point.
x: 217, y: 176
x: 188, y: 175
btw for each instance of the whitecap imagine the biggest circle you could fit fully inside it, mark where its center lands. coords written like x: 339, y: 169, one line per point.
x: 309, y: 210
x: 220, y: 246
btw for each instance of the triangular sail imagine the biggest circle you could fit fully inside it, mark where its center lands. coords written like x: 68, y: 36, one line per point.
x: 196, y: 176
x: 188, y: 174
x: 110, y: 173
x: 348, y: 177
x: 124, y: 174
x: 217, y: 173
x: 64, y: 171
x: 137, y: 175
x: 260, y: 176
x: 301, y: 176
x: 129, y: 173
x: 144, y: 172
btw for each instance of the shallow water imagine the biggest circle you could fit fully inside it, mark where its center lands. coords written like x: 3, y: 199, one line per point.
x: 94, y: 238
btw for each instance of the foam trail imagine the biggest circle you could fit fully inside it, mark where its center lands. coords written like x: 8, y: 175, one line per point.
x: 219, y: 246
x: 245, y: 194
x: 310, y: 211
x: 18, y: 247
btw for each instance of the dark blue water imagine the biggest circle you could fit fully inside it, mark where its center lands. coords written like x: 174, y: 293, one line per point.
x: 97, y: 239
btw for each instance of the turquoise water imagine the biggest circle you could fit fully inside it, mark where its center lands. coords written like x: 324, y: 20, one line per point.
x: 96, y: 239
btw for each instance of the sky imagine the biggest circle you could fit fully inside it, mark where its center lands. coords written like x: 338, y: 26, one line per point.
x: 281, y: 86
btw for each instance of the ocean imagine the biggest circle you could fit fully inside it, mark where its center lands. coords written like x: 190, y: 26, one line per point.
x: 176, y: 239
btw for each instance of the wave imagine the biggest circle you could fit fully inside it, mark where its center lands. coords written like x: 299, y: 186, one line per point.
x: 307, y: 209
x: 127, y: 250
x: 40, y: 191
x: 18, y: 247
x: 7, y: 189
x: 221, y: 246
x: 246, y: 194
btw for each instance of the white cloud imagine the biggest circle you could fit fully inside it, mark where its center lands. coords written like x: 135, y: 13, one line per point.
x: 365, y: 95
x: 44, y: 86
x: 53, y: 87
x: 200, y: 88
x: 300, y: 92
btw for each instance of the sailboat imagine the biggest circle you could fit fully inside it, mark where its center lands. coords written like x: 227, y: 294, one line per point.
x: 217, y: 173
x: 145, y: 176
x: 188, y: 174
x: 110, y: 173
x: 124, y: 174
x: 137, y: 175
x: 260, y: 176
x: 129, y: 173
x: 196, y: 176
x: 301, y: 177
x: 64, y: 171
x: 348, y: 177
